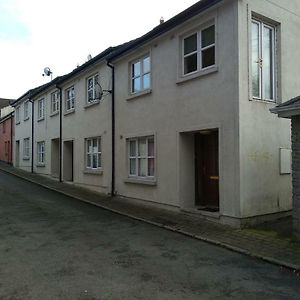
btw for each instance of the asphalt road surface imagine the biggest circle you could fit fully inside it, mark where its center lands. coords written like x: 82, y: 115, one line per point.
x: 55, y: 247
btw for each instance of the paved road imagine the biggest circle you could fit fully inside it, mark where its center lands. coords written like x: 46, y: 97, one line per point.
x: 54, y: 247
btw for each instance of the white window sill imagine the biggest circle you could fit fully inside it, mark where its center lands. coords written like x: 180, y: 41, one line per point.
x: 54, y: 113
x: 93, y: 171
x: 139, y: 94
x: 40, y: 165
x: 87, y: 105
x: 26, y: 119
x: 151, y: 182
x: 41, y: 119
x: 197, y: 74
x: 272, y: 102
x: 26, y: 158
x: 70, y: 111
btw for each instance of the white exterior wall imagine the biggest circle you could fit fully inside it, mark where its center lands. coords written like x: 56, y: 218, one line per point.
x: 87, y: 122
x: 174, y: 110
x: 21, y: 132
x: 263, y: 189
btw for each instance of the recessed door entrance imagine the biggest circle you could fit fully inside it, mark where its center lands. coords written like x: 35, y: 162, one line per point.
x: 17, y: 154
x: 207, y: 170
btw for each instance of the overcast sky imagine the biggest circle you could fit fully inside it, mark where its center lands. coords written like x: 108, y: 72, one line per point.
x: 61, y: 33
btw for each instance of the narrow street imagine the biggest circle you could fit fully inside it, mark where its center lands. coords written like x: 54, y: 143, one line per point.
x: 55, y: 247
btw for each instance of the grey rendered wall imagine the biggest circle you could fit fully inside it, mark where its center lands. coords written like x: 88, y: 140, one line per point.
x: 263, y: 189
x: 175, y: 108
x: 296, y: 173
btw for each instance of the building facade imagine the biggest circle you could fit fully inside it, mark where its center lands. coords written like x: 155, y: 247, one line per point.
x: 180, y: 116
x: 6, y: 138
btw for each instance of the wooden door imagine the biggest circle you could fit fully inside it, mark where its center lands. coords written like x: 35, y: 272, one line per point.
x: 207, y: 169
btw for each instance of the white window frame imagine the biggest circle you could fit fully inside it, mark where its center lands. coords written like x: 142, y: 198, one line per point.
x: 26, y: 148
x: 41, y: 109
x: 18, y: 115
x: 137, y: 157
x: 55, y: 102
x: 41, y: 152
x: 91, y: 153
x: 70, y: 100
x: 199, y: 50
x: 142, y: 74
x: 261, y: 24
x: 26, y: 110
x: 95, y: 79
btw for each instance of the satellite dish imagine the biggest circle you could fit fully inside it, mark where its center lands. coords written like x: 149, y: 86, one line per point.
x: 98, y: 91
x: 47, y: 71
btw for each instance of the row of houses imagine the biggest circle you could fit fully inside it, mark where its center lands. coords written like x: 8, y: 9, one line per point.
x: 179, y: 117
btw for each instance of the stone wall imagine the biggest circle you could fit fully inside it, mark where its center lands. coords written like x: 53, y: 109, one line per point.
x: 296, y: 173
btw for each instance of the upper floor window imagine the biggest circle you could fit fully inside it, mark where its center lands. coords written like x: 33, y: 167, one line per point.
x: 141, y: 157
x: 18, y: 115
x: 263, y: 61
x: 26, y: 110
x: 54, y: 102
x: 141, y: 74
x: 199, y: 50
x: 41, y: 109
x: 91, y: 88
x: 70, y: 99
x: 93, y: 153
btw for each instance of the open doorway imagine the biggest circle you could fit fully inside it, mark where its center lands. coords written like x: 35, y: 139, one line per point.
x: 55, y: 157
x: 68, y: 161
x: 207, y: 170
x: 17, y: 154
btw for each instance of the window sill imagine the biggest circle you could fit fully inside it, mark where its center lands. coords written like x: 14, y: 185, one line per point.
x: 87, y: 105
x: 68, y: 112
x: 141, y: 181
x: 140, y: 94
x: 41, y: 119
x: 93, y: 172
x: 54, y: 114
x: 40, y: 165
x: 26, y: 119
x: 198, y: 74
x: 274, y: 102
x: 26, y: 158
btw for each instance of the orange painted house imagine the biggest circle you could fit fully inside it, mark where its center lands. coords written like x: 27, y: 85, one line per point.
x: 6, y: 136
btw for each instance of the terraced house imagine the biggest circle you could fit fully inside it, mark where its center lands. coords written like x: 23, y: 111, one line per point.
x: 183, y: 120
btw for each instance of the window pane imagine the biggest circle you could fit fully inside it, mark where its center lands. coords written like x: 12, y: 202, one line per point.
x: 150, y: 166
x: 190, y: 64
x: 132, y: 148
x: 90, y: 95
x: 146, y: 81
x: 95, y: 161
x: 136, y: 84
x: 142, y: 167
x: 90, y: 83
x: 268, y: 63
x: 150, y: 147
x: 142, y: 147
x: 136, y: 69
x: 132, y: 166
x: 146, y: 64
x: 89, y: 146
x: 89, y: 161
x: 190, y: 44
x: 208, y: 57
x: 255, y: 60
x: 99, y: 160
x: 208, y: 36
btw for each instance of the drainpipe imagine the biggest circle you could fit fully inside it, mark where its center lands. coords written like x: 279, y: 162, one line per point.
x: 11, y: 139
x: 60, y: 132
x: 112, y: 129
x: 32, y: 132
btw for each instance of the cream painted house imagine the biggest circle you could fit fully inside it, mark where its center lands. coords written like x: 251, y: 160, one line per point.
x: 179, y: 117
x: 193, y: 127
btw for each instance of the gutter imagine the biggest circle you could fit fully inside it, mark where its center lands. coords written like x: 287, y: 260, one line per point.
x: 113, y: 127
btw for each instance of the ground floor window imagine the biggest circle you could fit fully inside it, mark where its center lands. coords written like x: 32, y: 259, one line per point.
x: 141, y: 157
x: 41, y: 152
x: 26, y: 148
x: 93, y: 153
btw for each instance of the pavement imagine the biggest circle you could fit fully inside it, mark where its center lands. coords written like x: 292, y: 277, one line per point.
x: 55, y: 247
x: 264, y: 242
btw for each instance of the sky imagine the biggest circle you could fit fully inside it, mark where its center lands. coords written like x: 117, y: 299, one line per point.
x: 60, y: 34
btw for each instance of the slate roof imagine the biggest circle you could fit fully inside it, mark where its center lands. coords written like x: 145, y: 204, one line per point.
x: 288, y: 108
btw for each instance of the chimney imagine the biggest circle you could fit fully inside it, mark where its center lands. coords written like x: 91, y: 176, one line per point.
x: 161, y: 21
